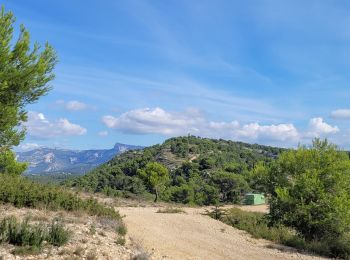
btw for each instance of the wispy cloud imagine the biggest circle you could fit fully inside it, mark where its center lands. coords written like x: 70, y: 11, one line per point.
x: 341, y: 114
x: 132, y: 89
x: 103, y: 133
x: 75, y: 105
x: 72, y: 105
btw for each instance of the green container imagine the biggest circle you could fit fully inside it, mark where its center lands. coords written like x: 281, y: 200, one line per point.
x: 254, y: 199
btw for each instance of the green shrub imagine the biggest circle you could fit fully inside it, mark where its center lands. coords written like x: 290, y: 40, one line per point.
x: 257, y: 224
x: 121, y: 229
x: 30, y: 236
x: 22, y: 192
x: 21, y: 234
x: 120, y: 241
x: 26, y: 250
x: 310, y: 191
x: 339, y: 247
x: 58, y: 235
x: 92, y: 230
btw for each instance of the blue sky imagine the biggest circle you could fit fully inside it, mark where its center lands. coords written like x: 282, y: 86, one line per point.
x: 138, y: 72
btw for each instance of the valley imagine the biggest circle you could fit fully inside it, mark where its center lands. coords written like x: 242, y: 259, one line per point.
x: 56, y: 161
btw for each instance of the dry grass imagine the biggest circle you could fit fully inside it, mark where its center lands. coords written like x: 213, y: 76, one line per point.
x: 170, y: 210
x: 101, y: 244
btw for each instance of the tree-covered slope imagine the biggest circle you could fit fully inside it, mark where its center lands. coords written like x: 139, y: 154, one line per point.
x: 201, y: 170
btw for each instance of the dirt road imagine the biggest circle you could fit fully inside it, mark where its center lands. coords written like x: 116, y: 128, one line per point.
x: 192, y: 235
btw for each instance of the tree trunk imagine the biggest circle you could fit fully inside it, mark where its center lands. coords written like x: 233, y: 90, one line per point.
x: 156, y: 198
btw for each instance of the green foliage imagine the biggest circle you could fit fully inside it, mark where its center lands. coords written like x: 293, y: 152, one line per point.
x: 120, y: 241
x: 9, y: 165
x: 257, y: 224
x: 58, y: 235
x: 24, y: 77
x: 155, y: 176
x: 202, y: 171
x: 92, y: 229
x: 310, y: 190
x: 170, y: 210
x: 121, y: 229
x: 26, y: 250
x: 24, y: 193
x: 217, y: 212
x: 232, y: 187
x: 258, y: 178
x: 29, y: 236
x: 21, y: 234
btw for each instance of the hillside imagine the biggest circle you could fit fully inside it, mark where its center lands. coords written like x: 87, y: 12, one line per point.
x: 91, y: 237
x: 48, y: 160
x: 197, y: 168
x: 49, y: 222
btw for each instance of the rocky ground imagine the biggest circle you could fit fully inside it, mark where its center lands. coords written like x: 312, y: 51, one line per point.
x: 190, y: 234
x: 92, y: 237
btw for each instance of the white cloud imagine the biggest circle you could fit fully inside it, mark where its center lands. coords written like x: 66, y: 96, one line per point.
x: 317, y: 128
x: 281, y: 132
x: 159, y: 121
x: 28, y: 146
x: 103, y: 133
x: 75, y: 105
x: 155, y: 121
x: 38, y: 126
x: 341, y: 114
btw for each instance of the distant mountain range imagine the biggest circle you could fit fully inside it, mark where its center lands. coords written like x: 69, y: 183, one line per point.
x: 54, y: 160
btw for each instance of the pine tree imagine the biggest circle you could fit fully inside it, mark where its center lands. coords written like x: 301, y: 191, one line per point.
x: 25, y: 71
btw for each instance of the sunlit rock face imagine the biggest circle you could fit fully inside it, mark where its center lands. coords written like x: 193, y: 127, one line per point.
x: 52, y: 160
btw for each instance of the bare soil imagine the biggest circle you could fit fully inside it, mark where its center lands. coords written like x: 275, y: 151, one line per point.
x: 194, y: 235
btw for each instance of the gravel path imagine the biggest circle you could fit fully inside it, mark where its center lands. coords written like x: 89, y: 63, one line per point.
x: 192, y: 235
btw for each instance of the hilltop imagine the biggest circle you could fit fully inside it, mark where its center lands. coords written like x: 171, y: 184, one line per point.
x: 197, y: 168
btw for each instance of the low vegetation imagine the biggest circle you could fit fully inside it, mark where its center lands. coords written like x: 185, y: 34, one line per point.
x: 57, y: 234
x: 29, y: 235
x: 121, y: 229
x: 21, y: 192
x: 258, y: 225
x: 120, y: 241
x: 170, y: 210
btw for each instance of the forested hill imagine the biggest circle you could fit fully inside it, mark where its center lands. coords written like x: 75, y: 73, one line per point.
x: 197, y: 166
